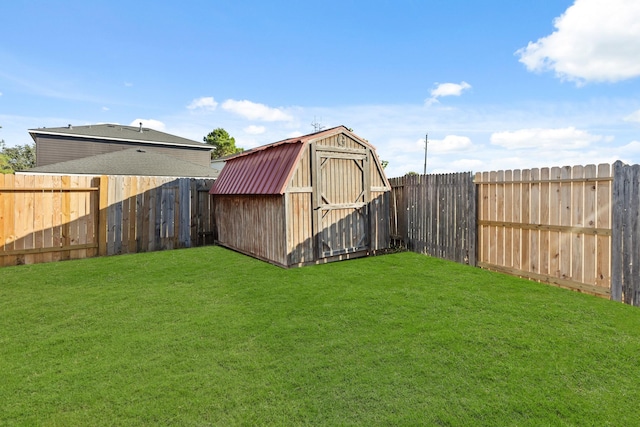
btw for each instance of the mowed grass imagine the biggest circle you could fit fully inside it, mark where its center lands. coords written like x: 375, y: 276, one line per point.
x: 207, y: 336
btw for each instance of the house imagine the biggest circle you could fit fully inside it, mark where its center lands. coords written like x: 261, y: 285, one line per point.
x: 311, y: 199
x: 133, y: 161
x: 219, y: 162
x: 54, y: 145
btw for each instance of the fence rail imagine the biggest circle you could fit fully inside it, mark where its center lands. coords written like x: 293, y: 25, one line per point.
x: 51, y: 218
x: 549, y: 224
x: 576, y: 227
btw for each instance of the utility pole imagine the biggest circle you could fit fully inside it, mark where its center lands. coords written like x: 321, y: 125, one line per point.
x: 426, y: 142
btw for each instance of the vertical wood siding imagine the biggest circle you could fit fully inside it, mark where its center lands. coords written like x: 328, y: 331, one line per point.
x: 253, y: 224
x: 299, y: 213
x: 379, y: 209
x: 300, y: 229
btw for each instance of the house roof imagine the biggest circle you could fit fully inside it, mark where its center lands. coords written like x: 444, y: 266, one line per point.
x: 114, y: 132
x: 128, y: 162
x: 268, y: 168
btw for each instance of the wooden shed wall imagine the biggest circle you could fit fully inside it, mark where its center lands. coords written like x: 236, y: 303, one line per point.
x: 252, y: 224
x: 379, y: 220
x: 342, y: 181
x: 300, y: 245
x: 340, y: 140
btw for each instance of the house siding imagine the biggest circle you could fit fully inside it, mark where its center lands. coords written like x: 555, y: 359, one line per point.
x: 54, y: 149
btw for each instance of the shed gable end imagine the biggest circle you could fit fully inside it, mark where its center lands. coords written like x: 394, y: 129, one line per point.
x: 341, y: 141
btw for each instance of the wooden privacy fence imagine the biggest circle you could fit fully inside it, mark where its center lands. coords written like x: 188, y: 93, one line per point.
x: 145, y: 214
x: 50, y: 218
x: 431, y: 215
x: 576, y: 227
x: 625, y: 256
x: 47, y: 218
x: 549, y: 224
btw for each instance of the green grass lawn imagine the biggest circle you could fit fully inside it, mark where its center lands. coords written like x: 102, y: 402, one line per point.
x: 207, y: 336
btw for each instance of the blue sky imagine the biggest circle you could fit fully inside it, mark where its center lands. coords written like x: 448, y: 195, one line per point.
x: 497, y: 84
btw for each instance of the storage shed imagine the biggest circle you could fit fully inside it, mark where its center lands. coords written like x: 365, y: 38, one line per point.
x: 311, y: 199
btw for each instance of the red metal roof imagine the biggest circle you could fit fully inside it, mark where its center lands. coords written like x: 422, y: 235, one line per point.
x: 265, y: 170
x: 268, y: 168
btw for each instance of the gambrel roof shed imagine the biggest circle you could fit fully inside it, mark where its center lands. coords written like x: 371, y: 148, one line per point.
x: 309, y: 199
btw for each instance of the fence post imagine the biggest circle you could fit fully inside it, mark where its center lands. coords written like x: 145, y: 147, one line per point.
x: 102, y: 217
x: 473, y: 217
x: 617, y: 226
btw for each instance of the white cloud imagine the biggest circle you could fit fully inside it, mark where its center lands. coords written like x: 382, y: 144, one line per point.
x: 149, y: 123
x: 450, y: 143
x: 254, y: 111
x: 205, y: 103
x: 255, y: 130
x: 594, y: 40
x: 294, y: 134
x: 633, y: 117
x: 447, y: 89
x: 105, y: 108
x: 0, y: 93
x: 563, y: 138
x: 632, y: 147
x: 128, y: 84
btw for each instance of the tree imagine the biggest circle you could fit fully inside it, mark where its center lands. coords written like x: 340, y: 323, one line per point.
x: 5, y: 167
x: 223, y: 143
x: 17, y: 158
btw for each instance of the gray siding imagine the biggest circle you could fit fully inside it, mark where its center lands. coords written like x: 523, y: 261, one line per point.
x: 54, y: 149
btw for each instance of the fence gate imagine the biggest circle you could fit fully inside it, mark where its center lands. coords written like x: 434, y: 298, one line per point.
x: 341, y: 197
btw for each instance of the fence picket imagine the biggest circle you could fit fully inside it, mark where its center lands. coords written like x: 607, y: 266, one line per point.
x: 50, y: 218
x: 433, y: 214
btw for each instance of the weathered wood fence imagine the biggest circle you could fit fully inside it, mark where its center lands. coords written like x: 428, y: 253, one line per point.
x: 431, y: 215
x: 575, y: 227
x: 625, y: 255
x: 50, y: 218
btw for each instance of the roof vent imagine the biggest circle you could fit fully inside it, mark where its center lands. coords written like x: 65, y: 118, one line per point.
x: 139, y: 150
x: 140, y: 127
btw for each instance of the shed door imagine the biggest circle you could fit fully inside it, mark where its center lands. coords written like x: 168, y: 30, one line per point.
x: 341, y: 201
